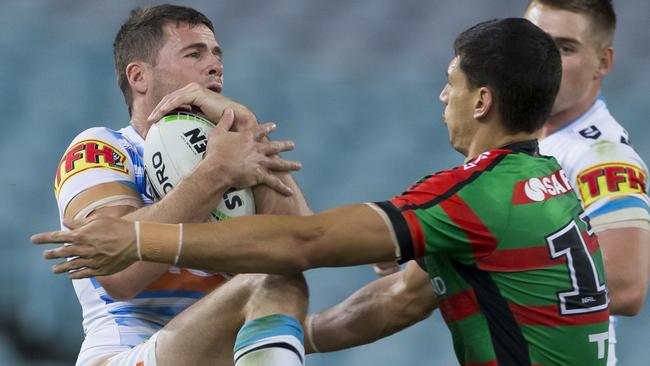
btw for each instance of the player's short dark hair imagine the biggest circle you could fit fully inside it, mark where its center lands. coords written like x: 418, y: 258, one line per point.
x: 142, y: 36
x: 600, y: 13
x: 519, y: 62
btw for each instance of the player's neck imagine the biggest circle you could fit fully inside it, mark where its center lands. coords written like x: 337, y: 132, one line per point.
x: 139, y: 122
x: 563, y: 118
x: 489, y: 138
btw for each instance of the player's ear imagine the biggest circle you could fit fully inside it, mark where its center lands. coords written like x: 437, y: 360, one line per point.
x: 484, y: 102
x: 137, y: 74
x: 606, y: 61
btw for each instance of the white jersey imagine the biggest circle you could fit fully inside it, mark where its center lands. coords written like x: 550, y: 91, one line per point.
x: 100, y: 155
x: 605, y: 171
x: 609, y: 176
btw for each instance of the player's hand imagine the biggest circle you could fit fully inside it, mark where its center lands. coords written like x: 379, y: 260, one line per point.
x: 386, y: 268
x: 246, y: 158
x: 100, y: 246
x: 208, y: 102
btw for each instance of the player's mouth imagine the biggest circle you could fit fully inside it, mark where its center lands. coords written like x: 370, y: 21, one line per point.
x: 215, y: 86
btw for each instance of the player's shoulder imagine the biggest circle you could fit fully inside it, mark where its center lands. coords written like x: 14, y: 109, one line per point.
x: 96, y: 154
x: 98, y: 133
x: 454, y: 179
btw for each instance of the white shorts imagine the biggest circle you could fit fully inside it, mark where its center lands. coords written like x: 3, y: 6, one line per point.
x: 144, y: 354
x: 611, y: 354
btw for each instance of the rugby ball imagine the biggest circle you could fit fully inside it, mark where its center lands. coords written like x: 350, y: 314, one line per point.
x: 172, y: 149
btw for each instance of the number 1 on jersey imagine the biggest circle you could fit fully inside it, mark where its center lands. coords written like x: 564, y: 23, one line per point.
x: 588, y: 294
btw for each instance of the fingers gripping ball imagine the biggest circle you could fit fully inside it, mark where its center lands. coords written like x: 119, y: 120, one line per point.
x: 173, y: 148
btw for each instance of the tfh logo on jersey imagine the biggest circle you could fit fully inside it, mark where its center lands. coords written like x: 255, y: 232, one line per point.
x: 610, y: 179
x: 88, y: 154
x: 540, y: 189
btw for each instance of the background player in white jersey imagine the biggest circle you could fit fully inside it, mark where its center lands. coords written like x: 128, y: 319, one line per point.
x: 594, y: 150
x: 167, y: 57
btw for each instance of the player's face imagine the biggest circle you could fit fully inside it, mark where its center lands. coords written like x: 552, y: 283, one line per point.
x: 189, y: 54
x: 459, y: 102
x: 580, y: 57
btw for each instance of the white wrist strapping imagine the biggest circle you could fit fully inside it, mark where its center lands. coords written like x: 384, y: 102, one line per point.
x: 309, y: 331
x: 180, y: 243
x: 137, y: 239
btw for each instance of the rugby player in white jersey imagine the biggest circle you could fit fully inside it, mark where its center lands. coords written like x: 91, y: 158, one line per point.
x: 167, y: 57
x: 595, y: 150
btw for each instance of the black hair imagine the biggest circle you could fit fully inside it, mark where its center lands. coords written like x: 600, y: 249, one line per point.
x: 519, y: 62
x: 142, y: 36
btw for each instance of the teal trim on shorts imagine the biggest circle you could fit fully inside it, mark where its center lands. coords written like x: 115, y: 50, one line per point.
x: 266, y: 327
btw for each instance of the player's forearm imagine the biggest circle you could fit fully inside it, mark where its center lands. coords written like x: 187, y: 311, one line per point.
x: 191, y: 201
x: 269, y: 201
x: 361, y: 319
x: 379, y: 309
x: 344, y: 236
x: 127, y: 283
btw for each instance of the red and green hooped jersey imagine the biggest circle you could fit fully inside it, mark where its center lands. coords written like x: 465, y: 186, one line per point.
x: 518, y: 275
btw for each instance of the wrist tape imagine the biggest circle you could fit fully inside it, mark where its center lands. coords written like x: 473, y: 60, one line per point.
x: 162, y: 243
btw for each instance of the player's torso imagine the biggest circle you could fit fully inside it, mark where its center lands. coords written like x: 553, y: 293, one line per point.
x: 101, y: 155
x: 510, y: 296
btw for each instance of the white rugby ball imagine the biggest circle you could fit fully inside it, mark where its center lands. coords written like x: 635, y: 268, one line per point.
x: 172, y: 149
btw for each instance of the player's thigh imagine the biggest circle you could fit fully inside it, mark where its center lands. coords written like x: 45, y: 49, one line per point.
x: 143, y: 354
x: 206, y: 331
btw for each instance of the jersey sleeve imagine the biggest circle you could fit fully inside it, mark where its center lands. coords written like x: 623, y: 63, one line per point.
x: 611, y: 181
x: 94, y: 157
x: 430, y: 218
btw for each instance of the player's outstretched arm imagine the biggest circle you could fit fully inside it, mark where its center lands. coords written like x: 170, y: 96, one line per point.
x: 377, y: 310
x: 343, y: 236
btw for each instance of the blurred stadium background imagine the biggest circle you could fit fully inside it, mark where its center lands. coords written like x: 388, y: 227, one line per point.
x: 354, y: 83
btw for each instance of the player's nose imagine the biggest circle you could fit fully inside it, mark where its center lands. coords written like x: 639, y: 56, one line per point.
x: 444, y: 95
x: 215, y: 66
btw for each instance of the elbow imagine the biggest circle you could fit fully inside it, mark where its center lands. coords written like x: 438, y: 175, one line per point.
x: 119, y: 292
x: 627, y: 304
x: 627, y: 295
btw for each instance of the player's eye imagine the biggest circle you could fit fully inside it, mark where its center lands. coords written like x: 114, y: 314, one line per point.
x: 566, y: 49
x: 195, y: 54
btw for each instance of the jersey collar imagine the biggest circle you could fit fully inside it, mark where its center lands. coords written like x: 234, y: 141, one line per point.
x: 530, y: 147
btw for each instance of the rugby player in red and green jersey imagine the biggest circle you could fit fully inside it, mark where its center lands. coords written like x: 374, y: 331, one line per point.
x: 515, y: 270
